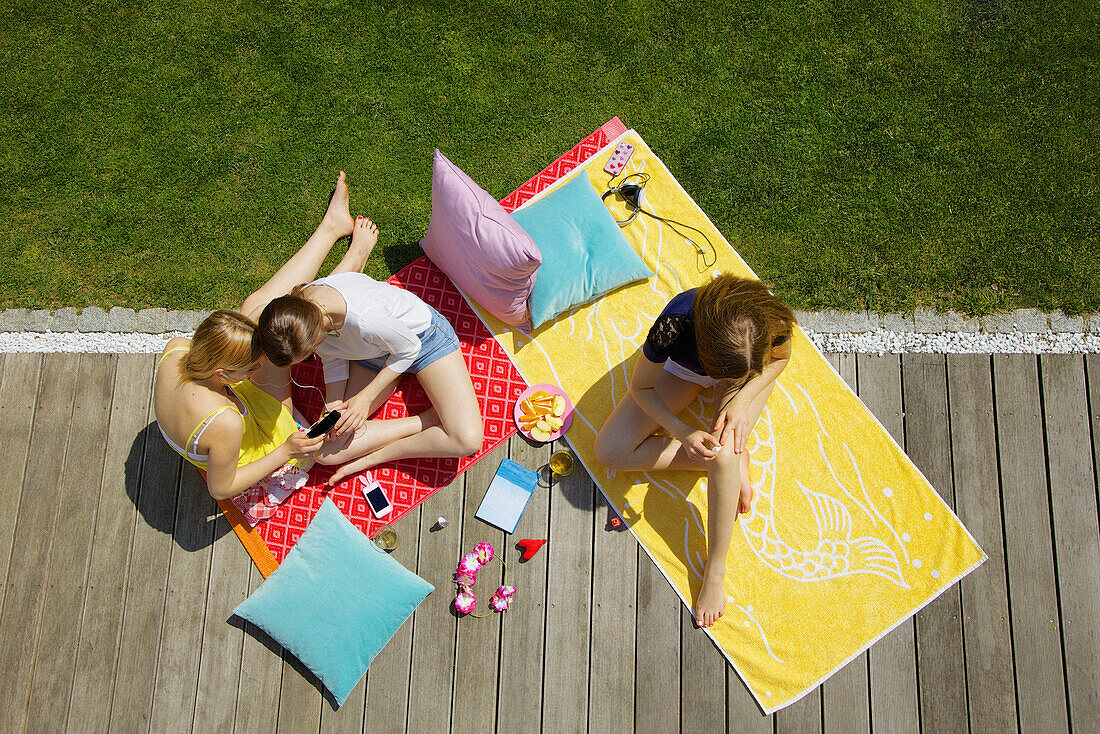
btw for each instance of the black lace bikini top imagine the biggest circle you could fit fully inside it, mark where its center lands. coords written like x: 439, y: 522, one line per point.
x: 672, y: 336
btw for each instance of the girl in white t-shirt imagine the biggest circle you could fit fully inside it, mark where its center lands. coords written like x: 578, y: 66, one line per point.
x: 368, y: 334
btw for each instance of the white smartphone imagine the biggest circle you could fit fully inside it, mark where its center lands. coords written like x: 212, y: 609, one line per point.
x: 376, y: 497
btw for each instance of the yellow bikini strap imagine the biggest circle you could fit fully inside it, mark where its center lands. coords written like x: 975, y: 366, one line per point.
x: 192, y: 440
x: 175, y: 349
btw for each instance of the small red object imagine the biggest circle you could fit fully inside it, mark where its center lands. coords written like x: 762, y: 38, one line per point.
x: 530, y: 547
x: 616, y: 522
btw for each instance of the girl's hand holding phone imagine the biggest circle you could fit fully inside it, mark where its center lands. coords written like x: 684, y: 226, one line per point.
x: 302, y: 446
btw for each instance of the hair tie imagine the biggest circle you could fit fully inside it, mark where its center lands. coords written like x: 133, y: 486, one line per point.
x: 466, y: 577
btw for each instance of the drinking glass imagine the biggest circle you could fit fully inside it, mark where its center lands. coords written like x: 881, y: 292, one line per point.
x: 386, y: 538
x: 561, y: 463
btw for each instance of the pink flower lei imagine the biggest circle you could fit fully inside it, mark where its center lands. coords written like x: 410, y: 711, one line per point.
x: 466, y: 577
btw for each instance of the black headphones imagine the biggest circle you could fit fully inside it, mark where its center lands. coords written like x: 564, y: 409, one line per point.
x: 632, y: 193
x: 634, y: 196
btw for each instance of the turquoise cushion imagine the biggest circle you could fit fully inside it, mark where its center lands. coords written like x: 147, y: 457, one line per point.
x: 584, y: 253
x: 335, y: 601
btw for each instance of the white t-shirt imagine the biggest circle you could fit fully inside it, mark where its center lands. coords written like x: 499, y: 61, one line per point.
x: 382, y: 321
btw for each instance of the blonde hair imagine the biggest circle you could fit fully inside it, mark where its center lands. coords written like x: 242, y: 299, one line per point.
x: 736, y: 321
x: 290, y: 326
x: 224, y: 340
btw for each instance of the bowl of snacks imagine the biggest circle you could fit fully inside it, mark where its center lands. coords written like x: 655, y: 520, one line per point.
x: 543, y: 412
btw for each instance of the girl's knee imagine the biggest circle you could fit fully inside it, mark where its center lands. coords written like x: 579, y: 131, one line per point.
x: 327, y: 459
x: 468, y: 439
x: 608, y: 452
x: 728, y: 459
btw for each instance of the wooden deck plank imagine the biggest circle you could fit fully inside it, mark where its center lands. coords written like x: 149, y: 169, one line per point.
x: 18, y: 395
x: 477, y: 647
x: 1092, y: 368
x: 434, y: 624
x: 1033, y: 602
x: 702, y: 679
x: 565, y: 701
x: 100, y: 628
x: 519, y: 692
x: 614, y: 590
x: 991, y: 688
x: 346, y: 719
x: 804, y: 716
x: 300, y: 695
x: 26, y: 582
x: 892, y: 661
x: 146, y: 586
x: 657, y: 650
x: 940, y: 665
x: 261, y: 672
x: 387, y: 701
x: 222, y: 643
x: 178, y: 662
x: 845, y: 697
x: 743, y: 714
x: 71, y: 548
x: 1076, y: 541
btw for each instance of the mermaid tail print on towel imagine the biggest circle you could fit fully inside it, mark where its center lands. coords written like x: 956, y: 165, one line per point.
x: 836, y: 553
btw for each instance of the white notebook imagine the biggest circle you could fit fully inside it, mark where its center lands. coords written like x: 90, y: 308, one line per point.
x: 508, y: 495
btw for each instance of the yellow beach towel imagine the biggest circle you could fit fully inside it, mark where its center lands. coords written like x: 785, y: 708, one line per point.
x: 846, y: 538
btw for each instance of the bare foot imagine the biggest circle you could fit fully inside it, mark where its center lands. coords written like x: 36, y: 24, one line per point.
x: 338, y: 215
x: 744, y: 506
x: 712, y: 599
x: 364, y: 237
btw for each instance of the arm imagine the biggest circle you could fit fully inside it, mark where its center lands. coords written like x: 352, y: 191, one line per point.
x: 224, y: 479
x: 742, y: 408
x: 356, y: 409
x: 388, y: 336
x: 643, y: 381
x: 301, y: 268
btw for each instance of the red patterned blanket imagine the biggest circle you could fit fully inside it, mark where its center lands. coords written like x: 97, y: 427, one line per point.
x: 410, y: 482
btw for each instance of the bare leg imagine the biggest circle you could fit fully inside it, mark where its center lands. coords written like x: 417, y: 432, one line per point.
x: 373, y: 436
x: 459, y: 431
x: 627, y: 440
x: 729, y: 494
x: 363, y: 239
x: 358, y: 378
x: 727, y: 477
x: 302, y: 267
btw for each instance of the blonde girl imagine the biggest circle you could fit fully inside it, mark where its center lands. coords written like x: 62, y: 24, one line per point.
x: 224, y: 407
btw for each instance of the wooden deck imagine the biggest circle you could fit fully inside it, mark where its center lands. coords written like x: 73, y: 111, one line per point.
x: 119, y: 580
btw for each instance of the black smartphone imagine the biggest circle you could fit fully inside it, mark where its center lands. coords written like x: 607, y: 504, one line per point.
x: 328, y: 420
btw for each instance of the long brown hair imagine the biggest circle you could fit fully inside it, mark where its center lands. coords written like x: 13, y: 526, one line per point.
x: 736, y: 321
x: 224, y: 340
x: 291, y: 326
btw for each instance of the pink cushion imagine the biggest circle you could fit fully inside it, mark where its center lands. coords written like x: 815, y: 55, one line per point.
x: 479, y: 246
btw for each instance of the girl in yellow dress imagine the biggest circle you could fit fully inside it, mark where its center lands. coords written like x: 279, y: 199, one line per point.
x: 226, y: 409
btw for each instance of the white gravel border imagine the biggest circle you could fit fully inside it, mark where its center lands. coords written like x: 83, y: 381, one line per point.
x: 873, y: 342
x: 954, y: 342
x: 30, y: 342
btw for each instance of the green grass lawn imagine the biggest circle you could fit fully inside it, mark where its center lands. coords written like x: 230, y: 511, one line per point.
x: 857, y: 154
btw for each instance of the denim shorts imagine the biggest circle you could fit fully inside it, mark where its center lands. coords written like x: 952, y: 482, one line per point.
x: 437, y: 341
